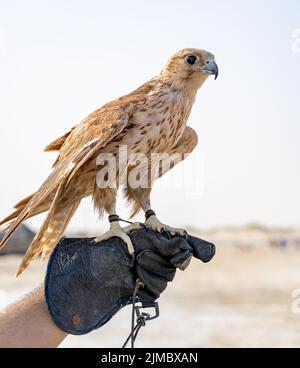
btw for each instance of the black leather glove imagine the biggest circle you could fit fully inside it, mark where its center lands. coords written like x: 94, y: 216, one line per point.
x: 86, y: 284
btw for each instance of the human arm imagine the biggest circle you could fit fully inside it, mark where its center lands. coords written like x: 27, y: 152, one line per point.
x: 27, y: 324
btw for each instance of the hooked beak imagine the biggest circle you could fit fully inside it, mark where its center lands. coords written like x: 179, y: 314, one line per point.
x: 211, y: 68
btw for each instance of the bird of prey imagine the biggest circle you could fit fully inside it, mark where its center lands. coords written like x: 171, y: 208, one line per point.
x: 151, y: 119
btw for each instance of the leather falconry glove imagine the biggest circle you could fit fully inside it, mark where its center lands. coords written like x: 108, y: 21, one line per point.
x: 86, y: 284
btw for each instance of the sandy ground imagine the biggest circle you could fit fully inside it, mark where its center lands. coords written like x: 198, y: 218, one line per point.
x: 240, y: 299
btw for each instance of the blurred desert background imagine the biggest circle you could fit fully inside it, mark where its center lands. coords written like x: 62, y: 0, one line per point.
x: 242, y: 298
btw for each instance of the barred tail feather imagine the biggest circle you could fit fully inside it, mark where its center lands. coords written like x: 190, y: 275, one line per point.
x: 48, y: 235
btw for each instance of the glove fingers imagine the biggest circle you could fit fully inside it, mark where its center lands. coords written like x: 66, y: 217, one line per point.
x: 152, y: 282
x: 171, y: 247
x: 158, y: 243
x: 185, y: 264
x: 152, y: 262
x: 181, y: 260
x: 202, y: 249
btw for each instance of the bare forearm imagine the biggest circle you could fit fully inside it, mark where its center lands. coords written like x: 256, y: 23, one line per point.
x: 27, y: 323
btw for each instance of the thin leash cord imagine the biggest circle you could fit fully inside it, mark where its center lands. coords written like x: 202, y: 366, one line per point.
x: 128, y: 222
x: 134, y: 329
x: 141, y: 321
x: 137, y: 285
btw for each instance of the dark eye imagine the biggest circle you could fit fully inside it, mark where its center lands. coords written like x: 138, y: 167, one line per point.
x: 191, y: 59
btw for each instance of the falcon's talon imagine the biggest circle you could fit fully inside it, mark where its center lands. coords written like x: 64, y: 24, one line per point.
x: 116, y: 231
x: 186, y: 236
x: 154, y: 224
x: 167, y: 234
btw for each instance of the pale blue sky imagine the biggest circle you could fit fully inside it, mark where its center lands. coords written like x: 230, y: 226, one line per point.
x: 60, y: 60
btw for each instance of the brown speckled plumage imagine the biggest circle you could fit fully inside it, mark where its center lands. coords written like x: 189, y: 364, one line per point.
x: 150, y: 119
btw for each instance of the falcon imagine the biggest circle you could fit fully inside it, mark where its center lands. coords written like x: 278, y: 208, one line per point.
x: 151, y: 119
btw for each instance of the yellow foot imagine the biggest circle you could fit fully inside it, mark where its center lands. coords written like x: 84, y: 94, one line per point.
x: 154, y: 224
x: 119, y: 232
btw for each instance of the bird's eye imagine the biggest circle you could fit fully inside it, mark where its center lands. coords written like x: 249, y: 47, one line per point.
x: 191, y: 59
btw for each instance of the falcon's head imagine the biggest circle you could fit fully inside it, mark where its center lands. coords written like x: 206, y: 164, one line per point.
x: 191, y: 64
